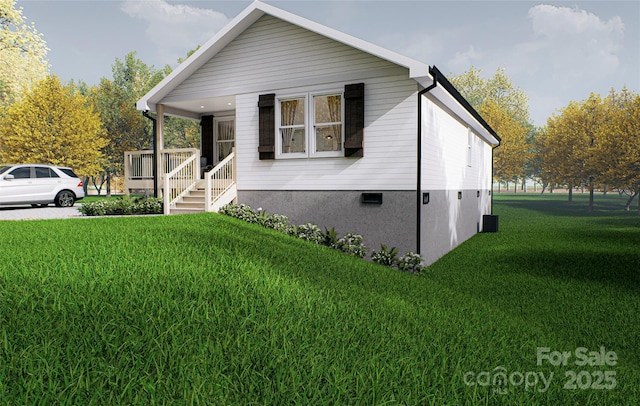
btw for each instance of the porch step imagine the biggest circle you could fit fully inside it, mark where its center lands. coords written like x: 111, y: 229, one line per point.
x: 193, y: 202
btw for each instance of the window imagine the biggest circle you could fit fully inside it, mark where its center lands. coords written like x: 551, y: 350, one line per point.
x: 469, y: 147
x: 68, y: 172
x: 43, y: 172
x: 327, y: 125
x: 225, y: 137
x: 315, y: 124
x: 22, y: 173
x: 292, y: 139
x: 310, y: 125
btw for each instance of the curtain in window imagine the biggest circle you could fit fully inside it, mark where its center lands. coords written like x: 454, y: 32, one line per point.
x: 225, y: 138
x: 292, y: 113
x: 335, y: 113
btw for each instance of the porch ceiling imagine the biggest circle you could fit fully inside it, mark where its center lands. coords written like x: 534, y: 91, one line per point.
x: 196, y: 108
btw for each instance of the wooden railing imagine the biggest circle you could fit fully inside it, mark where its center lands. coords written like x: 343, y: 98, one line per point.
x: 220, y: 183
x: 138, y: 166
x: 180, y: 180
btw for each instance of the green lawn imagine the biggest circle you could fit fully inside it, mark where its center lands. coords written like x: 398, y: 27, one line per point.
x: 206, y: 309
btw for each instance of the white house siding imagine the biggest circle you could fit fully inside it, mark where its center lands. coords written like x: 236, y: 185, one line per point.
x: 450, y: 172
x: 274, y: 54
x: 389, y: 161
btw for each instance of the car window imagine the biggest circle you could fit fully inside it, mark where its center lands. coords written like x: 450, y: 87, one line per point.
x: 22, y: 172
x: 68, y: 172
x: 44, y: 172
x: 4, y: 169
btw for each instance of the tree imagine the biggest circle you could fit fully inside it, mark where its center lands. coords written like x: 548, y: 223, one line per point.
x: 53, y: 124
x: 499, y: 89
x: 126, y: 128
x: 506, y: 110
x: 617, y: 150
x: 512, y: 155
x: 23, y: 53
x: 567, y: 146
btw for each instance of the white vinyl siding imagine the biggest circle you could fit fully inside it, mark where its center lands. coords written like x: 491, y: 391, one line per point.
x: 389, y: 161
x: 273, y: 54
x: 453, y: 156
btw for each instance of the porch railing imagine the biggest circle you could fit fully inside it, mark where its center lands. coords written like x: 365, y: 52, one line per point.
x: 138, y: 166
x: 221, y: 181
x: 180, y: 181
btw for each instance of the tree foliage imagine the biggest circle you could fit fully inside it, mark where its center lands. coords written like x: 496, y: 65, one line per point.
x: 617, y: 151
x: 23, y: 53
x: 510, y: 159
x: 595, y: 142
x: 505, y: 108
x: 53, y: 124
x: 499, y: 89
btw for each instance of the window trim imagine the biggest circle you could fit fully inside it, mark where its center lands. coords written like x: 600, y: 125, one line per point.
x: 313, y: 153
x: 309, y: 125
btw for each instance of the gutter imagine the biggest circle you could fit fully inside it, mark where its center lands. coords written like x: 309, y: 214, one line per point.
x: 419, y: 160
x: 145, y: 113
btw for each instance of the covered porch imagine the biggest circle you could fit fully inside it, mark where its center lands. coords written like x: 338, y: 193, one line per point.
x: 188, y: 179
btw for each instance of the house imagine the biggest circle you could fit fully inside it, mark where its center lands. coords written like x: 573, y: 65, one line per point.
x: 303, y: 120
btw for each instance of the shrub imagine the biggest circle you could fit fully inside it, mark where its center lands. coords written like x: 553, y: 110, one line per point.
x: 277, y: 222
x: 240, y: 211
x: 125, y: 205
x: 385, y: 256
x: 147, y: 205
x: 330, y: 238
x: 410, y: 262
x: 352, y: 244
x: 310, y: 232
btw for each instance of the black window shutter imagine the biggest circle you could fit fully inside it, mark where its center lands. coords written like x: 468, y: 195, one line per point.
x: 353, y: 120
x: 267, y: 126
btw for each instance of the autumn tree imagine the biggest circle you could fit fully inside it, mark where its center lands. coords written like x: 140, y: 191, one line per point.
x: 23, y: 53
x: 509, y: 160
x: 567, y: 146
x: 616, y: 152
x: 505, y: 108
x: 53, y: 124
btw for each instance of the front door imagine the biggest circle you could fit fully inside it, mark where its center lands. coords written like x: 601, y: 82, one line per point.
x: 224, y: 134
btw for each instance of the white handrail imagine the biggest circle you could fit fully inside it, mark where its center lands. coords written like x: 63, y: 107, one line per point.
x: 180, y: 180
x: 220, y: 179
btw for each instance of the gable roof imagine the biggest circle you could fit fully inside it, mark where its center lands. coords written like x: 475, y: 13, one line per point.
x: 418, y: 71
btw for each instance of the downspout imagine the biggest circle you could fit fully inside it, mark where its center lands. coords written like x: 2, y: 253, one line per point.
x: 155, y: 153
x: 419, y: 158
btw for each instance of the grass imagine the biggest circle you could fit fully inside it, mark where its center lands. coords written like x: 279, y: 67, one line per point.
x: 205, y: 309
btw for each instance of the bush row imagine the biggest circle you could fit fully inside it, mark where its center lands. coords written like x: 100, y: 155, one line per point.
x: 125, y: 205
x: 349, y: 243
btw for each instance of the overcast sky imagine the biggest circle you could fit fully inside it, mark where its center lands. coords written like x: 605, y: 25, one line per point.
x: 554, y: 51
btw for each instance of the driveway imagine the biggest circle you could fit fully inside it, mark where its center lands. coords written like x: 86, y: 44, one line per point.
x: 37, y: 213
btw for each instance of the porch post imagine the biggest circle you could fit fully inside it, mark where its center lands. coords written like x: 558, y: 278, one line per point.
x: 160, y: 160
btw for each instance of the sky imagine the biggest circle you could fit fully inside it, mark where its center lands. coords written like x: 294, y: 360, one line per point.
x: 555, y: 51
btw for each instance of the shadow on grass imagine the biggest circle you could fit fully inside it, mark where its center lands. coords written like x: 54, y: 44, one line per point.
x: 558, y: 204
x: 601, y: 267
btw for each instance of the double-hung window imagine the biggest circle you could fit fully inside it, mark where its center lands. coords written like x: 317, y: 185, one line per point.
x: 310, y: 125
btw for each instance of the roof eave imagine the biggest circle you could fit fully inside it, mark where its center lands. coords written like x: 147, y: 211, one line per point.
x: 462, y: 107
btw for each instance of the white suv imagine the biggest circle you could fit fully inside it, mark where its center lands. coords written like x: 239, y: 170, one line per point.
x: 39, y: 185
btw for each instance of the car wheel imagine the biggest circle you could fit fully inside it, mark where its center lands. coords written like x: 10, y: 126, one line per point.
x: 65, y: 198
